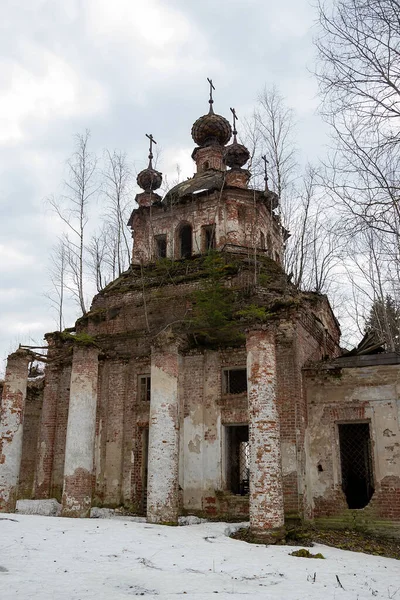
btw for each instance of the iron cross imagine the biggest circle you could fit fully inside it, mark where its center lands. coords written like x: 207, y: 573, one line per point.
x: 235, y: 118
x: 152, y: 141
x: 264, y: 158
x: 211, y: 90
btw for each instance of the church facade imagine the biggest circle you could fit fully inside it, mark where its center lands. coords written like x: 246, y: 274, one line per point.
x: 202, y: 381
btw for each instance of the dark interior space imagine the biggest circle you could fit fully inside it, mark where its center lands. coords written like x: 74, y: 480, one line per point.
x: 237, y: 440
x: 355, y: 457
x: 186, y: 241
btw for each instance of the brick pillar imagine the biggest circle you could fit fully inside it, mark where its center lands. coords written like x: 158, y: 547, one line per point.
x: 163, y: 461
x: 47, y: 433
x: 266, y: 497
x: 11, y: 426
x: 81, y: 428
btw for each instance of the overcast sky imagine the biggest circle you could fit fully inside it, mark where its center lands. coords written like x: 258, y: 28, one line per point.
x: 123, y: 68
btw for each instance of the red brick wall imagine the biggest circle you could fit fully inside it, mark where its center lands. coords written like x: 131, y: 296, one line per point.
x: 33, y: 408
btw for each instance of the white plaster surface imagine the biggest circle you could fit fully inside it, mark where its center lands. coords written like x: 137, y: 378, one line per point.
x: 11, y: 425
x: 357, y: 387
x: 79, y: 446
x: 163, y: 457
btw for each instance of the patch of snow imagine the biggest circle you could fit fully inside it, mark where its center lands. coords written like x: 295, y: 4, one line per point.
x: 99, y: 559
x: 113, y: 513
x: 46, y: 508
x: 191, y: 520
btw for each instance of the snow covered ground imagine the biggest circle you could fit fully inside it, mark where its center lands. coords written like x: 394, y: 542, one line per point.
x: 50, y: 558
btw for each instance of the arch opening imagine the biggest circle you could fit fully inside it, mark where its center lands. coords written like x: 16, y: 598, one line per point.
x: 185, y: 241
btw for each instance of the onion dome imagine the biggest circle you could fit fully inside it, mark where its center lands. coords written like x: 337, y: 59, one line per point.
x: 149, y: 179
x: 211, y: 129
x: 235, y: 155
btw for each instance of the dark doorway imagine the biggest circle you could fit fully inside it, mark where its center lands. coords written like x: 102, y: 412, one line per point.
x: 355, y: 458
x: 186, y: 241
x: 238, y: 459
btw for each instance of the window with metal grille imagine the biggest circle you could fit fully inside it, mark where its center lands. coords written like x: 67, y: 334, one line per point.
x: 235, y: 381
x: 356, y: 462
x: 144, y: 388
x: 161, y: 246
x: 238, y: 459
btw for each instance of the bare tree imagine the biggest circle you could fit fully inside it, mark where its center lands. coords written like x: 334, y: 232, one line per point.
x: 313, y: 254
x: 359, y: 76
x: 270, y: 132
x: 72, y: 208
x: 58, y: 276
x: 369, y: 273
x: 117, y: 190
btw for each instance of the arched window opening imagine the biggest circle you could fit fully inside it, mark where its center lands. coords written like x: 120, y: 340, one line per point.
x: 208, y: 238
x: 185, y: 237
x: 206, y: 165
x: 262, y: 241
x: 161, y: 246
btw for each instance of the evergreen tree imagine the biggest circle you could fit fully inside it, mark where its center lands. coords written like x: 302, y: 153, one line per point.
x: 384, y: 320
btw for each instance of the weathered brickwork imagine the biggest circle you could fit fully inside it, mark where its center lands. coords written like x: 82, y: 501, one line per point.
x: 57, y: 479
x: 31, y: 434
x: 11, y: 432
x: 266, y: 497
x: 163, y: 461
x: 353, y: 395
x: 238, y: 215
x: 201, y: 380
x: 79, y: 445
x: 47, y: 433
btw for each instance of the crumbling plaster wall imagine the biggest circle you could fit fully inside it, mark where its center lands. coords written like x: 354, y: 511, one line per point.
x: 239, y: 217
x: 368, y: 394
x: 207, y: 411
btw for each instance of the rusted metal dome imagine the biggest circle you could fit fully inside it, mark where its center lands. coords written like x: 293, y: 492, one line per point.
x: 149, y: 179
x: 211, y: 129
x: 236, y: 155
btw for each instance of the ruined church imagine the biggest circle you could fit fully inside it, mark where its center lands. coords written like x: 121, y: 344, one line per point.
x: 202, y: 381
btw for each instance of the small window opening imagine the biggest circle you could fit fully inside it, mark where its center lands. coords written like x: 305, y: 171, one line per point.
x: 144, y: 388
x: 209, y: 237
x: 355, y: 458
x: 206, y: 165
x: 235, y: 381
x: 161, y: 246
x: 238, y: 459
x: 186, y: 241
x: 262, y: 241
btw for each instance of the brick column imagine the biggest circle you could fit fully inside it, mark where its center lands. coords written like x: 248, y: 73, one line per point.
x: 266, y: 497
x: 81, y: 428
x: 163, y: 462
x: 47, y: 433
x: 11, y: 426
